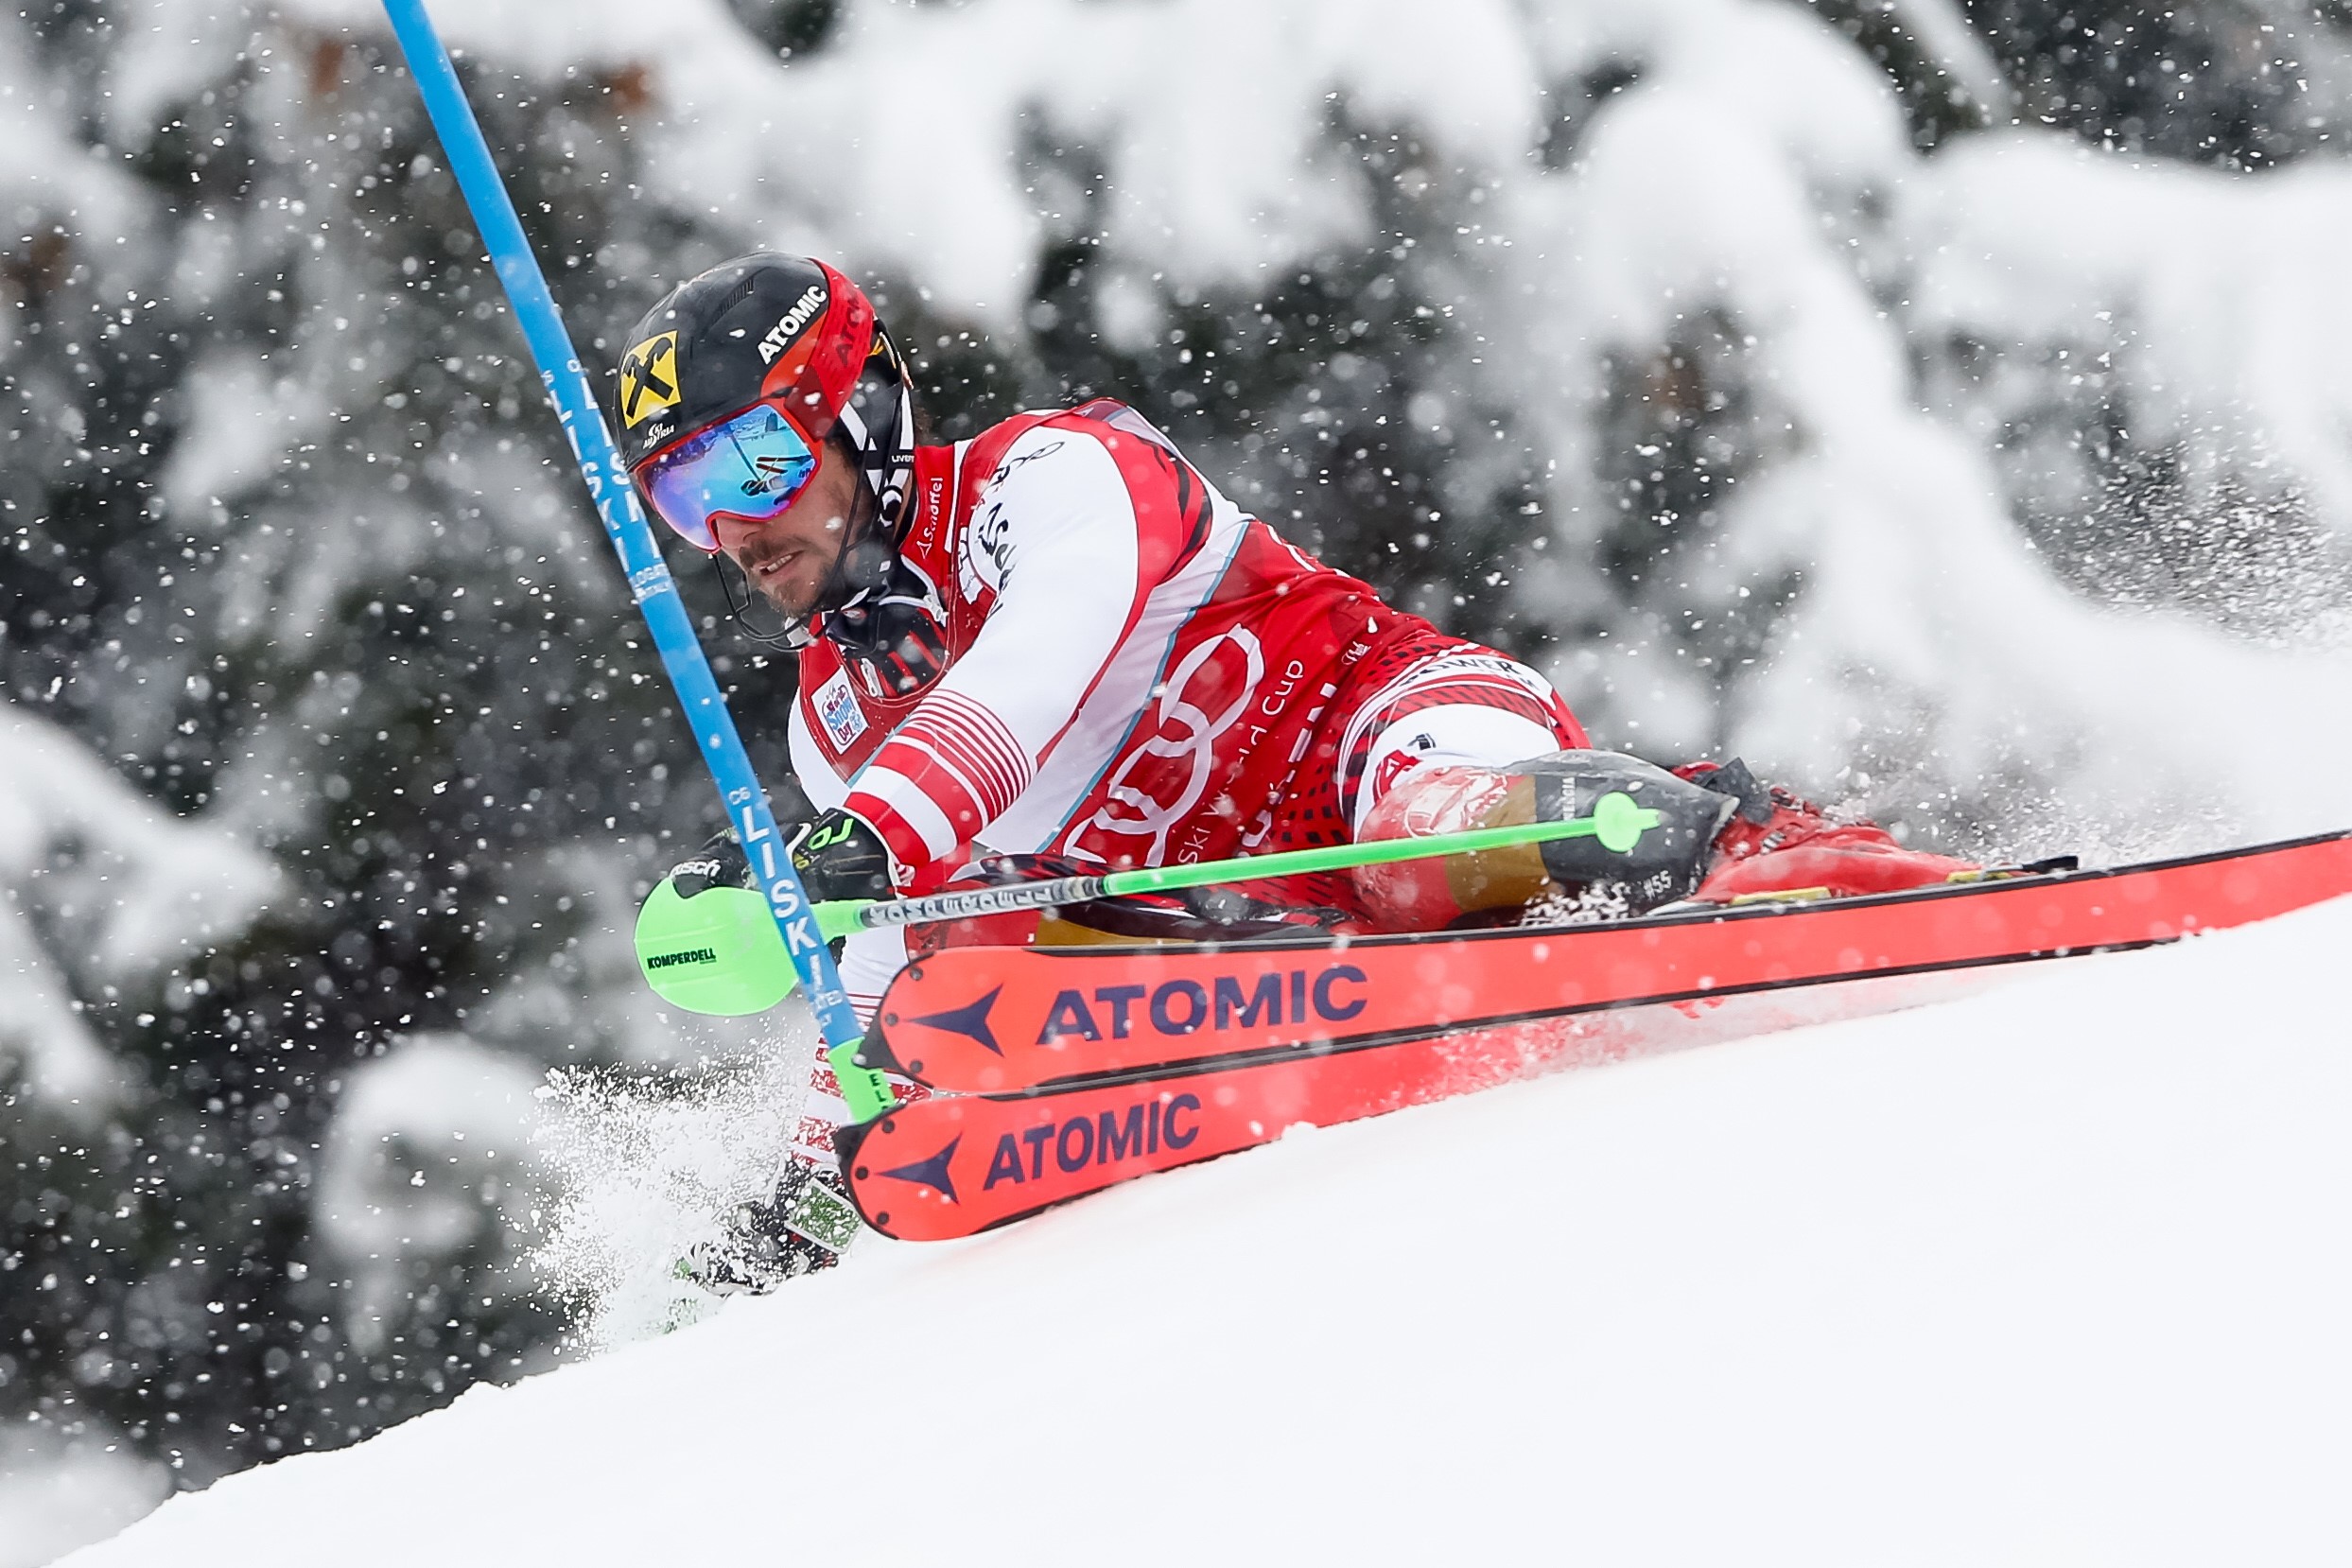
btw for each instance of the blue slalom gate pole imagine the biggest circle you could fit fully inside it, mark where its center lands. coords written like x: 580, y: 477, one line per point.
x: 633, y: 540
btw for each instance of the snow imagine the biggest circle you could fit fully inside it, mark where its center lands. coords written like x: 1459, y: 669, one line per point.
x: 53, y: 1502
x: 1931, y: 632
x: 1942, y: 30
x: 44, y: 170
x: 640, y: 1170
x: 423, y: 1140
x: 2231, y: 335
x: 2045, y: 1275
x: 141, y: 889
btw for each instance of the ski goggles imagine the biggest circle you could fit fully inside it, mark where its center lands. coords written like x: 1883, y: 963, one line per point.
x: 752, y: 466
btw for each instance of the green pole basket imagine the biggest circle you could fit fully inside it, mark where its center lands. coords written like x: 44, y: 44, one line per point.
x: 718, y: 953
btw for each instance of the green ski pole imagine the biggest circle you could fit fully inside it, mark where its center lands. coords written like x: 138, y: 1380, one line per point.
x: 717, y: 952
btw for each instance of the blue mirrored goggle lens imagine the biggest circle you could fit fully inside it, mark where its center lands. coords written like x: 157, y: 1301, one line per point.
x: 753, y: 465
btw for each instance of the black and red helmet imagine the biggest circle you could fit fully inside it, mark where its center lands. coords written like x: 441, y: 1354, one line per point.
x: 788, y: 332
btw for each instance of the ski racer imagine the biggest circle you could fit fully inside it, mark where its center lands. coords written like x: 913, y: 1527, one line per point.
x: 1057, y: 646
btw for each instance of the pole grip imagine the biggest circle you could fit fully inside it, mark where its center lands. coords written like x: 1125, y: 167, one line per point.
x: 968, y: 904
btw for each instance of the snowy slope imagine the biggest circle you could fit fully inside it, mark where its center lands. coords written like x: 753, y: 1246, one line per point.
x: 2057, y: 1273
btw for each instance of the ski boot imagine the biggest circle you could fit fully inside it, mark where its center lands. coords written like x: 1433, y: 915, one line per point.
x: 805, y: 1226
x: 1777, y: 846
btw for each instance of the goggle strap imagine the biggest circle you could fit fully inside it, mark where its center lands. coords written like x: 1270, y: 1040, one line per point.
x: 849, y: 421
x: 888, y: 483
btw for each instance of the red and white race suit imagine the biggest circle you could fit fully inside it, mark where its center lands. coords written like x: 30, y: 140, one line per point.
x: 1136, y: 673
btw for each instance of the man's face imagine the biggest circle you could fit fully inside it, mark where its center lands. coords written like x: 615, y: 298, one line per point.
x: 788, y: 556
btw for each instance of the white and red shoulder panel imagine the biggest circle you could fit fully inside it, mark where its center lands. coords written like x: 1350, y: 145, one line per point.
x: 1067, y: 551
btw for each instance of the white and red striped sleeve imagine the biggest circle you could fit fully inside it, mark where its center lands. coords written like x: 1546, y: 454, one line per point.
x: 1054, y: 536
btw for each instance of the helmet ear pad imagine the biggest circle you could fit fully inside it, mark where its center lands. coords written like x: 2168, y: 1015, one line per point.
x: 878, y: 423
x: 863, y: 565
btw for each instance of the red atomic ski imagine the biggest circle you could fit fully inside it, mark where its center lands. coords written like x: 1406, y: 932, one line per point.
x: 993, y: 1020
x: 954, y: 1164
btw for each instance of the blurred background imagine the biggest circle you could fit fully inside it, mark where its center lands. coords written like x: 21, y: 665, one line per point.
x: 1947, y: 404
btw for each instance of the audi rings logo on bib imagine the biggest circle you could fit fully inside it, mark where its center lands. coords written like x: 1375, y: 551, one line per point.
x: 1162, y: 780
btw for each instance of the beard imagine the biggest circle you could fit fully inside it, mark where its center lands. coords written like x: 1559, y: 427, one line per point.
x: 808, y: 581
x: 795, y: 589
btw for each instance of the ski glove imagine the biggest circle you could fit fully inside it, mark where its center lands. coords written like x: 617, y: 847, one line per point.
x: 840, y: 857
x: 719, y: 862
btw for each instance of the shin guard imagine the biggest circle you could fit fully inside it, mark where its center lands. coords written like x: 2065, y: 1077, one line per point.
x: 1427, y: 895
